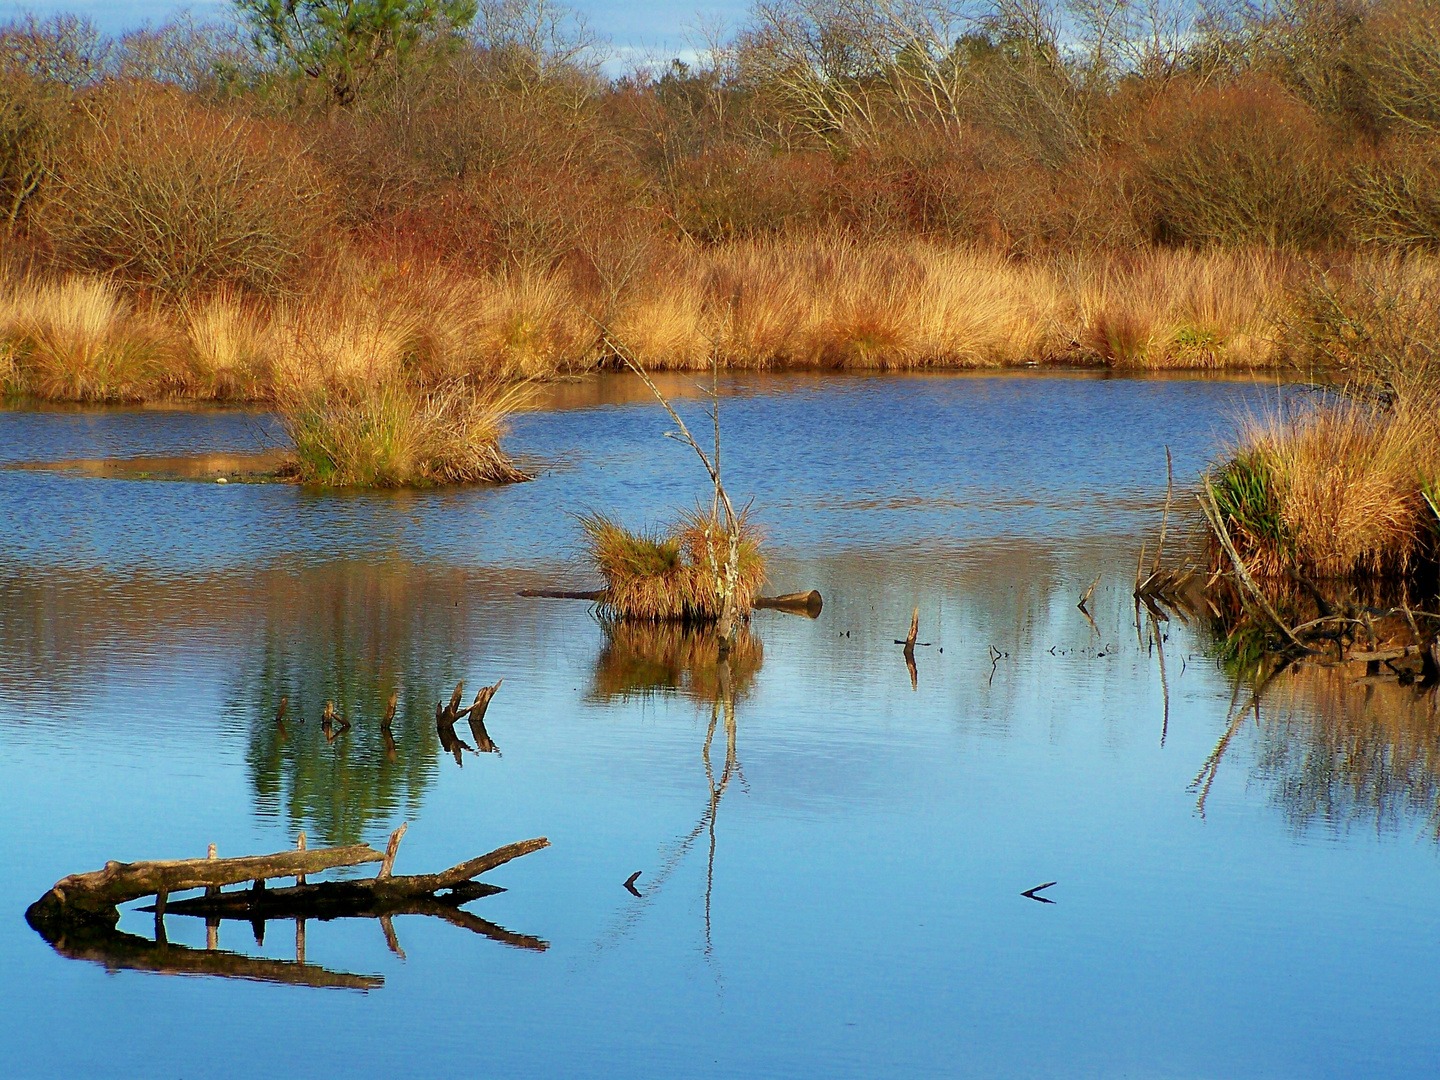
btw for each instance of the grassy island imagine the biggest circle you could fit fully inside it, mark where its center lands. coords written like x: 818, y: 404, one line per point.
x: 377, y: 225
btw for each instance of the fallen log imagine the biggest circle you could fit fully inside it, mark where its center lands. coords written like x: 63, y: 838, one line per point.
x: 806, y: 603
x: 78, y: 916
x: 372, y: 897
x: 561, y: 594
x: 1379, y: 655
x: 96, y: 896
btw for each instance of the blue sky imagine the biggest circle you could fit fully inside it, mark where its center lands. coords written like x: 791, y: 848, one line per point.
x: 641, y: 26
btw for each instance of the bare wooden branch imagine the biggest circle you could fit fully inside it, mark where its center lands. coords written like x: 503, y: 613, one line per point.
x: 390, y: 851
x: 1165, y: 517
x: 97, y: 893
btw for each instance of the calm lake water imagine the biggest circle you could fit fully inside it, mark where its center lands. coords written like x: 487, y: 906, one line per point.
x: 831, y: 878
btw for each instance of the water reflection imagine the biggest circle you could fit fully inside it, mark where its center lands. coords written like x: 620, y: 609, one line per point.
x: 361, y: 651
x: 117, y: 950
x: 639, y: 659
x: 706, y: 676
x: 1342, y: 750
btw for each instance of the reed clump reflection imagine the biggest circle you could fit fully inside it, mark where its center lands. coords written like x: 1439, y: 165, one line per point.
x: 339, y: 783
x: 640, y: 658
x: 1338, y: 746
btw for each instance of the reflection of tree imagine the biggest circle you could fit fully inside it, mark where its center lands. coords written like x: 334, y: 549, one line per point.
x: 352, y: 634
x: 641, y: 658
x: 683, y: 659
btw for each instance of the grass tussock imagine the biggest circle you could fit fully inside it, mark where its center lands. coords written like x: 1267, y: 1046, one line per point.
x: 228, y: 348
x: 671, y: 575
x: 1347, y: 489
x: 389, y: 435
x: 81, y: 339
x: 1335, y: 492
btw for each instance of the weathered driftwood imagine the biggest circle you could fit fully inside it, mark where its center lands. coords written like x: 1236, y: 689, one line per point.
x: 94, y: 897
x: 483, y: 743
x: 78, y: 916
x: 447, y: 715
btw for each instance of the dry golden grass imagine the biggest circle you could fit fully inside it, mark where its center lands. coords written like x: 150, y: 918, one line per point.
x: 1348, y: 488
x: 917, y: 305
x: 385, y: 434
x: 80, y: 339
x: 805, y: 304
x: 1181, y: 309
x: 228, y: 348
x: 1337, y: 491
x: 671, y: 574
x: 837, y: 305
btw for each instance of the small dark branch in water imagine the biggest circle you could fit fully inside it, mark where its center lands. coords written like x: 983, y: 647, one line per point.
x: 1032, y: 893
x: 909, y: 644
x: 630, y: 883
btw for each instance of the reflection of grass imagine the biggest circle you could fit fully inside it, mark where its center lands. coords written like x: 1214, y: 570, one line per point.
x: 352, y: 633
x: 640, y: 657
x: 671, y: 575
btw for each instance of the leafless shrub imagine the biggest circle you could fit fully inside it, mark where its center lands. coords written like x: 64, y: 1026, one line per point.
x: 176, y: 197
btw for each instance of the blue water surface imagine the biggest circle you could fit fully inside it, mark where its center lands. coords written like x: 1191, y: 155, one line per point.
x: 831, y: 867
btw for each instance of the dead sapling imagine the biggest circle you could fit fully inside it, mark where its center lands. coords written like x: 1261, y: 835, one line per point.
x: 722, y: 510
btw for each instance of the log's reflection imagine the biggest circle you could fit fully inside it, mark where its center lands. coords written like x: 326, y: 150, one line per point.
x: 116, y: 950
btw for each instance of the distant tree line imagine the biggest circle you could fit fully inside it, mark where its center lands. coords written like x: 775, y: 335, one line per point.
x: 489, y: 132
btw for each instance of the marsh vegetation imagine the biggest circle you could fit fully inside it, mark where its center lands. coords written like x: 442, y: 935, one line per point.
x: 376, y: 224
